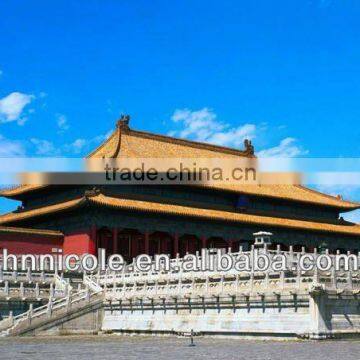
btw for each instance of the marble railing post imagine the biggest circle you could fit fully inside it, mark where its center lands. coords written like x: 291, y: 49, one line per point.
x: 51, y: 290
x: 333, y: 278
x: 22, y: 290
x: 207, y: 284
x: 298, y: 278
x: 28, y: 275
x: 316, y: 275
x: 282, y: 279
x: 37, y: 290
x: 251, y: 279
x: 11, y: 317
x: 349, y: 279
x: 222, y: 283
x: 87, y: 294
x: 30, y: 313
x: 267, y: 279
x: 265, y: 248
x: 291, y: 252
x: 156, y: 287
x: 68, y: 300
x: 49, y: 308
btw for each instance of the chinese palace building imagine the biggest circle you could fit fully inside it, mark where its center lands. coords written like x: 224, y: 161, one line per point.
x: 135, y: 219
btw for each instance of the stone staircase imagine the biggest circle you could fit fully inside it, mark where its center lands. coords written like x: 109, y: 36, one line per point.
x: 57, y: 311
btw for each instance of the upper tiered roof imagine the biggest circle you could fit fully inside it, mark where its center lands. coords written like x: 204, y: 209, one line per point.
x: 127, y: 143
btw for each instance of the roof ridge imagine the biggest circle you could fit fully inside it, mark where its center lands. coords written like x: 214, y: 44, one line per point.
x: 249, y: 150
x: 121, y: 125
x: 103, y: 143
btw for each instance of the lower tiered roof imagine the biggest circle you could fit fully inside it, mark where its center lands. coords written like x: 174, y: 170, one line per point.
x: 281, y: 191
x: 20, y: 230
x: 101, y: 200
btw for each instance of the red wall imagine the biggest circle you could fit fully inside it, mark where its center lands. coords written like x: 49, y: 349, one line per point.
x: 80, y: 242
x: 19, y: 243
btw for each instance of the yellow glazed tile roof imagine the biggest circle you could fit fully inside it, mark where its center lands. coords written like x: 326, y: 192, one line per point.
x: 18, y: 230
x: 18, y: 190
x: 221, y: 215
x: 177, y: 210
x: 50, y: 209
x: 128, y: 143
x: 286, y: 192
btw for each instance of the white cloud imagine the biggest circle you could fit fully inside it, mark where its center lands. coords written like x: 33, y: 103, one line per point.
x: 202, y: 125
x: 12, y: 107
x: 77, y: 146
x: 11, y: 148
x: 233, y: 136
x: 62, y: 122
x: 44, y: 147
x: 81, y: 145
x: 287, y: 148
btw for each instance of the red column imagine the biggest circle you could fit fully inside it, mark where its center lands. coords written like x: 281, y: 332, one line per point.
x: 176, y: 244
x: 203, y: 242
x: 185, y: 241
x: 92, y: 242
x: 115, y: 243
x: 147, y: 242
x: 134, y: 245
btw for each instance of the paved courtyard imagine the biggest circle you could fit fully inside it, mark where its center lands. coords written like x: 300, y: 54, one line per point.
x: 159, y: 348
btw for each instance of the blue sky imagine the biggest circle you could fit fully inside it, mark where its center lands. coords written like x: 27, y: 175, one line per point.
x: 284, y: 73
